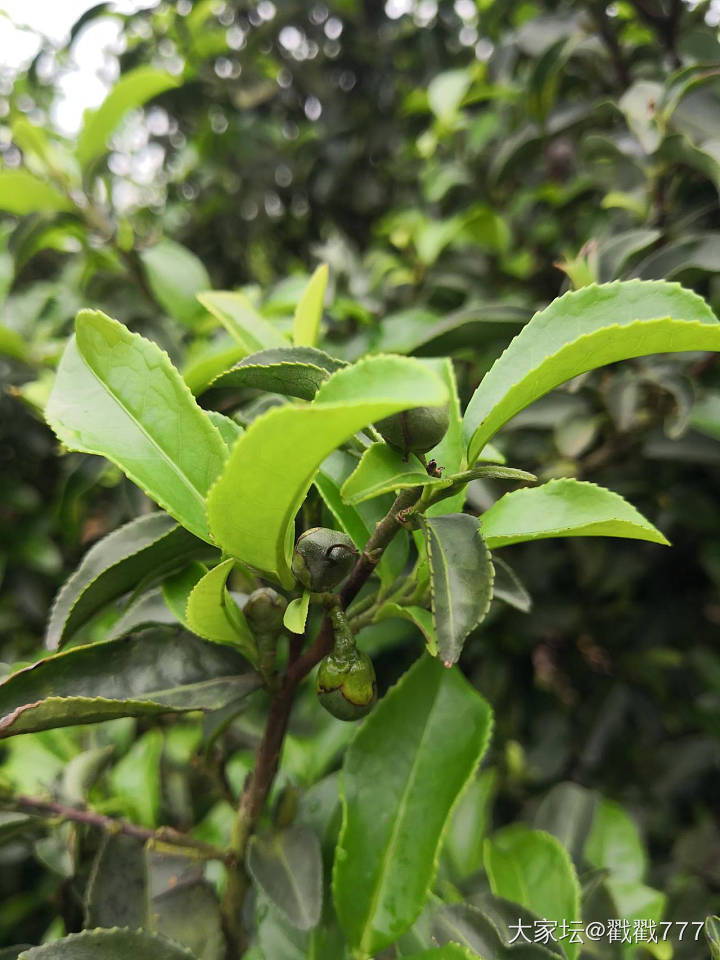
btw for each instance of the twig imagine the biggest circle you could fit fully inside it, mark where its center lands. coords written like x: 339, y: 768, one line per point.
x: 112, y: 825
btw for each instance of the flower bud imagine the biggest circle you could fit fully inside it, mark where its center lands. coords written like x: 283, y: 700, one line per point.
x: 323, y: 558
x: 264, y: 610
x: 346, y: 684
x: 415, y: 431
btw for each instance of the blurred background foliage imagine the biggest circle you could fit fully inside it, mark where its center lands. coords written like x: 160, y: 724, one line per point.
x: 457, y: 166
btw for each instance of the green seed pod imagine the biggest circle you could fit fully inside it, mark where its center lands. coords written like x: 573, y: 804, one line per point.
x: 415, y: 431
x: 323, y: 558
x: 345, y: 680
x: 264, y: 610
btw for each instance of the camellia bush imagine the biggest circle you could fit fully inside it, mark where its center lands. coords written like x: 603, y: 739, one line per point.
x: 331, y: 501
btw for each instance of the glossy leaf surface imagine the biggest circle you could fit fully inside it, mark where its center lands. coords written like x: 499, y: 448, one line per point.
x: 564, y: 508
x: 579, y: 331
x: 241, y: 320
x: 213, y: 614
x: 292, y: 371
x: 117, y: 395
x: 151, y: 545
x: 532, y: 868
x: 461, y: 579
x: 418, y: 749
x: 383, y: 470
x: 255, y: 525
x: 287, y: 865
x: 157, y: 671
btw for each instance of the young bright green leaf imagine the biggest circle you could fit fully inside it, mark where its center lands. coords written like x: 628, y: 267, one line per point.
x: 532, y: 868
x: 228, y: 428
x: 461, y: 580
x: 22, y: 192
x: 287, y: 866
x: 292, y: 371
x: 465, y: 834
x: 12, y: 344
x: 109, y: 945
x: 157, y: 671
x: 308, y: 313
x: 117, y: 395
x: 272, y: 465
x: 213, y: 614
x: 178, y: 587
x: 148, y: 547
x: 241, y: 320
x: 446, y: 91
x: 359, y: 521
x: 132, y: 90
x: 382, y: 470
x: 564, y: 508
x: 614, y: 843
x: 176, y: 276
x: 404, y: 770
x: 210, y: 362
x: 296, y: 612
x: 582, y: 330
x: 421, y: 617
x: 116, y: 894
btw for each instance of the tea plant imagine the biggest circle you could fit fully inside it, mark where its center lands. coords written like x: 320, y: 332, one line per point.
x: 307, y: 499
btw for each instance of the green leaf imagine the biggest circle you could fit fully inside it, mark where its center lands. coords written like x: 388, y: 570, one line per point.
x: 359, y: 521
x: 583, y: 330
x: 463, y: 840
x: 712, y: 933
x: 132, y: 90
x: 213, y: 614
x: 13, y: 825
x: 533, y: 869
x: 485, y: 934
x: 228, y: 428
x: 308, y: 313
x: 422, y: 619
x: 109, y: 945
x: 292, y: 371
x: 287, y: 866
x: 564, y: 508
x: 508, y: 587
x: 150, y: 546
x: 614, y: 843
x: 157, y: 671
x: 116, y: 893
x: 210, y: 362
x: 461, y: 579
x: 176, y: 276
x: 12, y: 344
x: 285, y: 446
x: 450, y: 452
x: 241, y: 320
x: 177, y: 588
x: 190, y: 915
x: 296, y: 612
x: 446, y: 92
x: 567, y: 813
x: 117, y: 395
x: 383, y: 470
x: 21, y: 192
x: 148, y: 609
x: 417, y: 751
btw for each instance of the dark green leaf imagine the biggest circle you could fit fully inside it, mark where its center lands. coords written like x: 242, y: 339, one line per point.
x: 508, y: 587
x: 463, y: 841
x: 151, y: 546
x: 287, y: 865
x: 109, y: 945
x: 404, y: 770
x: 116, y: 893
x: 712, y: 933
x: 158, y: 671
x: 567, y: 813
x: 292, y: 371
x: 479, y: 932
x: 190, y: 915
x: 461, y: 579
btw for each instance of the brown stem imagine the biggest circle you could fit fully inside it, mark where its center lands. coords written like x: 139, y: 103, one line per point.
x: 164, y: 835
x: 267, y: 757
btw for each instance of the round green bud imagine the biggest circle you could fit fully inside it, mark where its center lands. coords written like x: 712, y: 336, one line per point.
x: 323, y: 558
x: 264, y: 610
x: 346, y: 684
x: 415, y: 431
